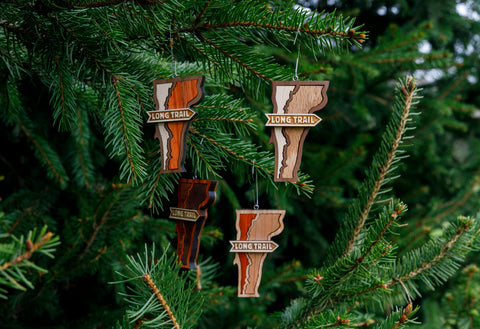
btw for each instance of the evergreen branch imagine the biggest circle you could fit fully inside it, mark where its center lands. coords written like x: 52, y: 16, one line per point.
x: 97, y: 227
x: 47, y: 154
x: 232, y: 152
x: 13, y: 272
x: 31, y: 248
x: 461, y: 230
x: 83, y: 159
x: 351, y: 34
x: 154, y: 281
x: 62, y: 89
x: 161, y: 299
x: 393, y: 217
x: 234, y: 58
x: 401, y: 42
x: 452, y: 207
x: 441, y: 258
x: 407, y: 59
x: 84, y: 48
x: 200, y: 15
x: 409, y: 93
x: 454, y: 85
x: 124, y: 128
x: 203, y: 53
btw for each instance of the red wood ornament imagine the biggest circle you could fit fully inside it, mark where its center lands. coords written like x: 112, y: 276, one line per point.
x: 195, y: 196
x: 174, y: 99
x: 255, y: 228
x: 293, y: 105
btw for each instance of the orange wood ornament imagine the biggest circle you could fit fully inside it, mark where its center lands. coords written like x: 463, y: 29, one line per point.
x: 255, y: 228
x: 293, y: 105
x: 174, y: 99
x: 195, y: 196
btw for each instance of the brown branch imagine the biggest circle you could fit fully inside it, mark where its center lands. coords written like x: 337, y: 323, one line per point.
x: 408, y: 93
x: 31, y: 248
x: 161, y: 299
x: 200, y: 15
x: 314, y: 32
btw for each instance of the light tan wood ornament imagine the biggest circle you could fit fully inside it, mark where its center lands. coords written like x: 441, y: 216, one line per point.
x: 174, y: 99
x: 293, y: 105
x: 255, y: 228
x: 195, y: 196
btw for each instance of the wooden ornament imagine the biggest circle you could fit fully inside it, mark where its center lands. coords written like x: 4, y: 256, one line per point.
x: 195, y: 196
x: 293, y: 105
x: 174, y: 99
x: 255, y: 228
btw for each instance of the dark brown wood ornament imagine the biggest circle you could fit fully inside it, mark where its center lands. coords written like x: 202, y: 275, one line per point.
x: 174, y: 99
x: 255, y: 228
x: 195, y: 196
x: 293, y: 105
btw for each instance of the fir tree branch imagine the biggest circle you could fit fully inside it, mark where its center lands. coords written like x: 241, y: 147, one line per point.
x: 462, y: 229
x: 351, y: 34
x: 81, y: 142
x: 31, y: 248
x: 161, y: 299
x: 124, y: 128
x: 452, y: 207
x: 408, y: 92
x: 233, y: 58
x: 393, y: 218
x: 200, y: 15
x: 62, y: 90
x: 60, y: 176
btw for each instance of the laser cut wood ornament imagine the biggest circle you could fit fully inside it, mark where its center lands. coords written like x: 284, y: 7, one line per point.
x: 293, y: 105
x: 255, y: 228
x: 174, y: 99
x: 195, y: 196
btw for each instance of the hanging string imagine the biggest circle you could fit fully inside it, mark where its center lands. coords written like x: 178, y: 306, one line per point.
x: 254, y: 173
x: 196, y: 168
x: 295, y: 76
x: 173, y: 55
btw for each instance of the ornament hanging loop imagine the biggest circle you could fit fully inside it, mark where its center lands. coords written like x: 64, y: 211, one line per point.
x: 254, y: 173
x: 295, y: 76
x: 174, y: 75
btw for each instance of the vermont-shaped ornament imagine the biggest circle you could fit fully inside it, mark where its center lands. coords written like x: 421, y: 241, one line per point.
x: 293, y: 105
x: 174, y: 99
x: 195, y: 196
x: 255, y: 228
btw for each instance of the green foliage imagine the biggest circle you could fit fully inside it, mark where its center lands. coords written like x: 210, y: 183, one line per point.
x: 159, y: 297
x: 77, y: 156
x: 15, y: 254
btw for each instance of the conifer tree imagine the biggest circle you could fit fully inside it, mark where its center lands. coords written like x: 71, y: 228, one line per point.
x: 80, y: 166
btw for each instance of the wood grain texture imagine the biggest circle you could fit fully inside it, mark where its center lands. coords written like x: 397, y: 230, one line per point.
x: 254, y: 225
x: 175, y: 94
x: 199, y: 195
x: 290, y: 98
